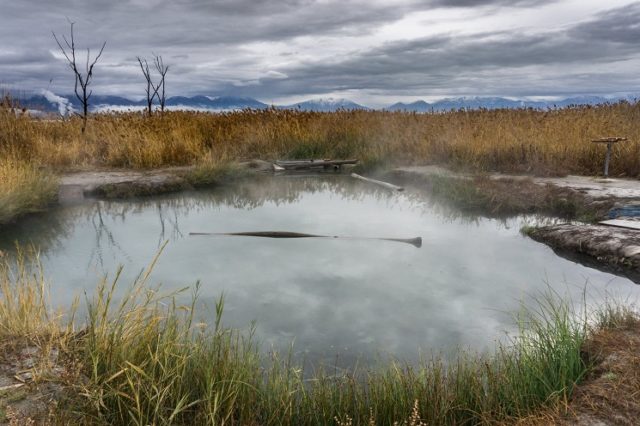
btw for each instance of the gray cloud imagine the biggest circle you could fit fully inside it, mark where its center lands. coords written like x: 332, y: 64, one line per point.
x: 586, y: 53
x: 495, y: 3
x: 252, y: 48
x: 621, y: 25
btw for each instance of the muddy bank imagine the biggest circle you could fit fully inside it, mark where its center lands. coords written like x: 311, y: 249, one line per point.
x: 120, y: 184
x: 504, y: 196
x: 617, y: 249
x: 609, y: 393
x: 32, y: 382
x: 129, y: 183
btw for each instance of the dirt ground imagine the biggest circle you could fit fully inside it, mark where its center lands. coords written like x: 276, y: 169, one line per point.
x: 596, y: 187
x: 30, y: 384
x: 610, y: 394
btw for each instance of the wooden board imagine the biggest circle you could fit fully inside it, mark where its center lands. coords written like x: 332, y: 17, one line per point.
x: 629, y: 224
x: 309, y: 164
x: 378, y: 182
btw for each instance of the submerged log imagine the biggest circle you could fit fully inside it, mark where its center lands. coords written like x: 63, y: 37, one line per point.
x: 416, y: 242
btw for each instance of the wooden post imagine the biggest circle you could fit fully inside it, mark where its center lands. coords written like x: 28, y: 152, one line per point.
x: 607, y: 158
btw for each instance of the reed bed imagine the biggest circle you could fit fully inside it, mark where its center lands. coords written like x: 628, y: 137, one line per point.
x: 521, y: 140
x: 144, y: 358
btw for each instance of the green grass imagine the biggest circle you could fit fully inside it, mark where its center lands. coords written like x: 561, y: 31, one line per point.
x: 146, y: 360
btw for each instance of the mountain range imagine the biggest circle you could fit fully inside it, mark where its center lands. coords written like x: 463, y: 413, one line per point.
x: 448, y: 104
x: 49, y: 102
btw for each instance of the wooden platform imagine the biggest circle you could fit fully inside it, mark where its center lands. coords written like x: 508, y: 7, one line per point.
x: 620, y: 223
x: 311, y: 164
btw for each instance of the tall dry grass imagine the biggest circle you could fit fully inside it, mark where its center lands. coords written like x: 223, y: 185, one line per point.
x: 23, y: 189
x: 542, y: 142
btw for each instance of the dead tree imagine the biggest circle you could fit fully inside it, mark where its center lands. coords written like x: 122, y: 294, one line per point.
x: 151, y: 89
x: 162, y: 70
x: 82, y: 77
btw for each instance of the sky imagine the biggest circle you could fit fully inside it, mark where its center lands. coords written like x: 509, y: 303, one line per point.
x: 374, y: 52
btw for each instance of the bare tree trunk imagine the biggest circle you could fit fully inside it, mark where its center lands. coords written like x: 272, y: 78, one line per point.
x: 82, y: 78
x: 151, y: 90
x: 162, y: 70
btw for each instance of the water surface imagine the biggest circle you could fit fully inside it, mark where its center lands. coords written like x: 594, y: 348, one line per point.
x: 333, y: 297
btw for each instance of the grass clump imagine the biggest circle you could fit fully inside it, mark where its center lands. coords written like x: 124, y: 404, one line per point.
x: 166, y: 373
x: 144, y: 358
x: 23, y: 189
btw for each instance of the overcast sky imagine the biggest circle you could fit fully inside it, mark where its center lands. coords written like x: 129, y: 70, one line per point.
x: 371, y: 51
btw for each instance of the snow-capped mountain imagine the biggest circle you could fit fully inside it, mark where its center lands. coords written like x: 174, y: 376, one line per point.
x: 219, y: 103
x: 49, y: 102
x: 449, y: 104
x: 325, y: 105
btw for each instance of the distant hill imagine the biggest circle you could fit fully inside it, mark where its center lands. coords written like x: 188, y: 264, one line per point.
x: 418, y: 106
x: 325, y: 105
x: 54, y: 103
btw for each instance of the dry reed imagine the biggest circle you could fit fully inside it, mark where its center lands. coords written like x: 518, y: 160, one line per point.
x: 524, y: 140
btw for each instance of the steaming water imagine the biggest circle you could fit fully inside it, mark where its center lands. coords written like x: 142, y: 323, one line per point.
x: 338, y: 299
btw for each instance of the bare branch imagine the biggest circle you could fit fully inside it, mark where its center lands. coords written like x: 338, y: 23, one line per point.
x: 160, y: 88
x: 150, y: 89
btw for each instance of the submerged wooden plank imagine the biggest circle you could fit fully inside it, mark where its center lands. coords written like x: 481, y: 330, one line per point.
x: 378, y: 182
x: 620, y: 223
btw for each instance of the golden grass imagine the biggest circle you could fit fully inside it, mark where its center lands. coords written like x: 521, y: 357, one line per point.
x: 24, y: 309
x: 23, y: 189
x: 541, y: 142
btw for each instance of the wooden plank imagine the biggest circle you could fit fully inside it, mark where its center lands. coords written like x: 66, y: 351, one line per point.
x: 378, y: 182
x: 620, y: 223
x: 8, y: 387
x: 307, y: 164
x: 609, y: 140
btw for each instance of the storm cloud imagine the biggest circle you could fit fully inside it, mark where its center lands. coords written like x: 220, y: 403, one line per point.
x: 365, y: 50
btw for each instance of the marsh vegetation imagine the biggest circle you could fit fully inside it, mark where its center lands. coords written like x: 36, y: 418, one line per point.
x: 146, y: 359
x: 145, y: 356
